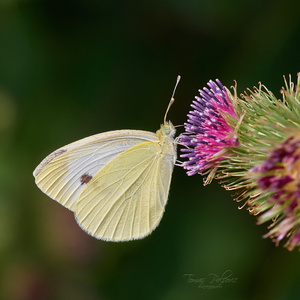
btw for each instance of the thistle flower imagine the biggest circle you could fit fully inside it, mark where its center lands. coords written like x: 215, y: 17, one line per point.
x: 253, y: 146
x: 273, y: 190
x: 208, y: 134
x: 280, y: 175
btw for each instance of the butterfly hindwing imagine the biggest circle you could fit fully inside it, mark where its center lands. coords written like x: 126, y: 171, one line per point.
x: 127, y: 198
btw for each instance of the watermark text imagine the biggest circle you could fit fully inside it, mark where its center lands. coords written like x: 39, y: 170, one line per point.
x: 212, y: 281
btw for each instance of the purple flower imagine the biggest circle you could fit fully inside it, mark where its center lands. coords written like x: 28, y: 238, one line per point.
x: 252, y: 144
x: 280, y: 174
x: 208, y: 133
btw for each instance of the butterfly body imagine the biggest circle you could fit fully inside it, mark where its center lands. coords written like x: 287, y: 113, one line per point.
x: 116, y: 183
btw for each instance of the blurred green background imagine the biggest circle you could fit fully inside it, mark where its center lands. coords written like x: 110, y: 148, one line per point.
x: 70, y: 69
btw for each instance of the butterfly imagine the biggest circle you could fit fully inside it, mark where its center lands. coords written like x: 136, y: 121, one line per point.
x: 116, y: 183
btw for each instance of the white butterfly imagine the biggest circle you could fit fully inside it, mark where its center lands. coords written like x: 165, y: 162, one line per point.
x: 116, y: 183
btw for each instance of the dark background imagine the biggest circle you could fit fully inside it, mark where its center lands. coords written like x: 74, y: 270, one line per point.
x: 70, y: 69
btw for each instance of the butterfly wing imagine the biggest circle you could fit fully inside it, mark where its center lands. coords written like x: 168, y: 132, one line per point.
x: 65, y: 173
x: 127, y: 198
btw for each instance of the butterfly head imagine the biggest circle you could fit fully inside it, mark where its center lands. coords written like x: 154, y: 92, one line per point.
x: 167, y: 129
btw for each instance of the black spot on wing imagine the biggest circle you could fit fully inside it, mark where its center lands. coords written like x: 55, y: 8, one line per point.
x: 85, y: 178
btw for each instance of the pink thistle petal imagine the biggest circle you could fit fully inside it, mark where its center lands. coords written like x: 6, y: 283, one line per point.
x: 207, y: 131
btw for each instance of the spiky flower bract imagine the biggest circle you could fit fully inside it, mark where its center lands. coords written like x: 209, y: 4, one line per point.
x: 270, y: 133
x: 263, y: 164
x: 280, y: 175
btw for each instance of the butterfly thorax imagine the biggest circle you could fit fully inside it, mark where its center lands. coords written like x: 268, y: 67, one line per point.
x: 165, y: 136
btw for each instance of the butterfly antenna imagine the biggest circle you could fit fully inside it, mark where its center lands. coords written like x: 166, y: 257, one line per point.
x: 172, y: 98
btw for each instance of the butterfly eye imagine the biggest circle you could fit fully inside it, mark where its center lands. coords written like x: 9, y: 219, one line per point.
x: 166, y: 130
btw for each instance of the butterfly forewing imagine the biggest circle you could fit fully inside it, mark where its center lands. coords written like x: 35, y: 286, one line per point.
x: 65, y: 173
x: 126, y: 199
